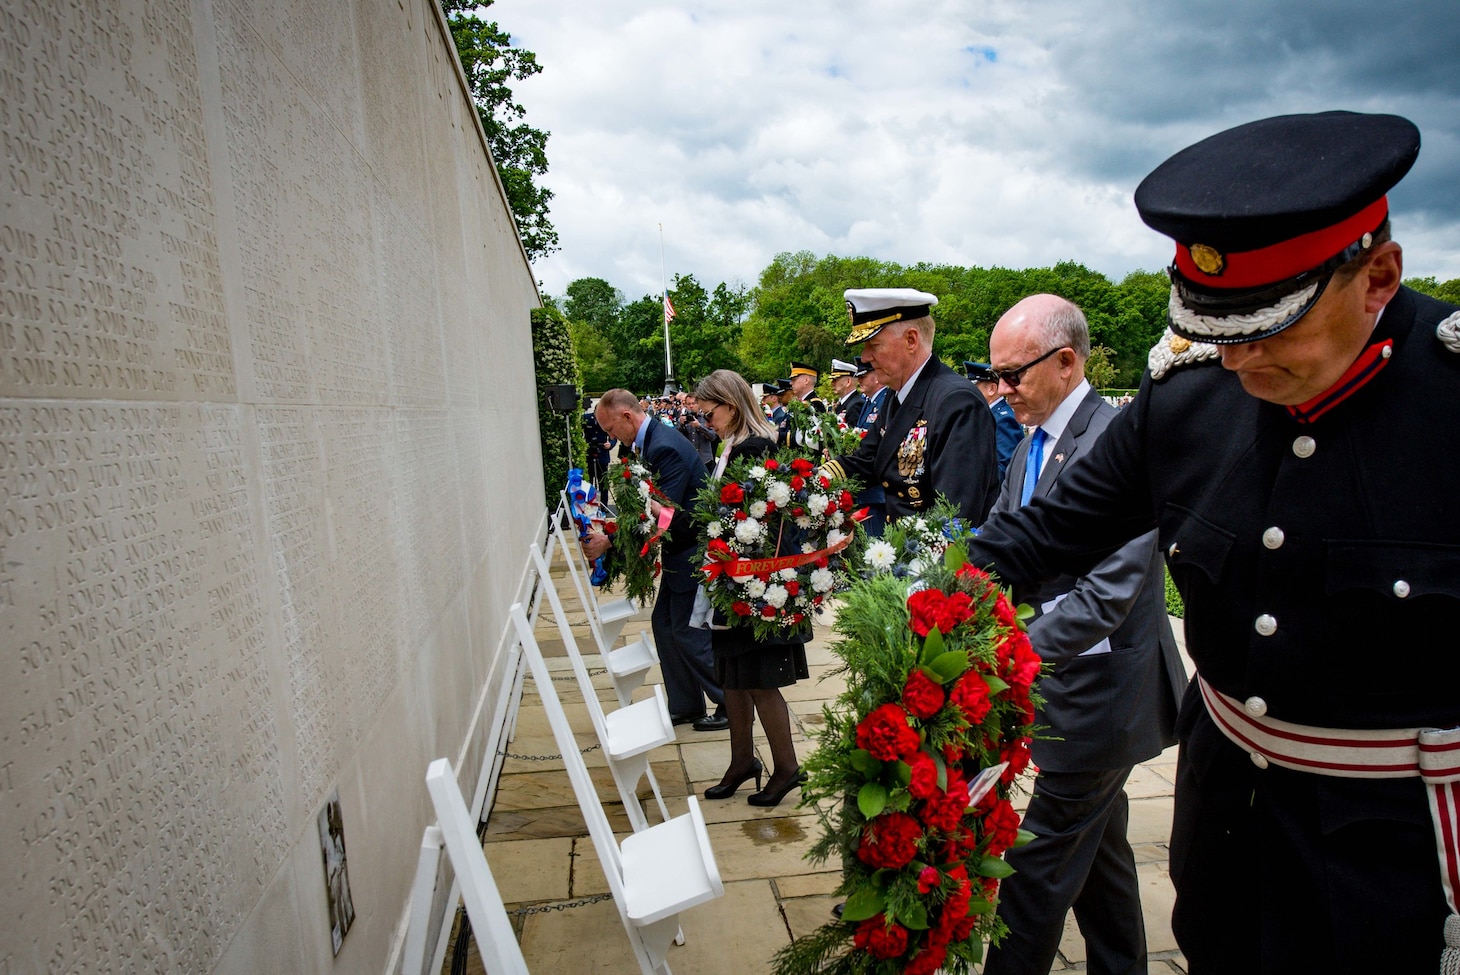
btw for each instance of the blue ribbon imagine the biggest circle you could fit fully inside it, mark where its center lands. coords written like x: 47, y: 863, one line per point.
x: 581, y: 494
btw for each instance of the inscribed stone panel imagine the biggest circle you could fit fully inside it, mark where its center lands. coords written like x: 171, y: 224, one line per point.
x: 428, y: 518
x: 139, y: 677
x: 109, y: 273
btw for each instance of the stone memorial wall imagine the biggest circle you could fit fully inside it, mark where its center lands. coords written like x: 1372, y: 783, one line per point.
x: 268, y: 465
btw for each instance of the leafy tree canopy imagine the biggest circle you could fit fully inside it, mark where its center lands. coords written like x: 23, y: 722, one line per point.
x: 519, y: 150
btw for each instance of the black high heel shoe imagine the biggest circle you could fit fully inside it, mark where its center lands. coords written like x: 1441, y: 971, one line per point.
x: 727, y: 789
x: 769, y: 798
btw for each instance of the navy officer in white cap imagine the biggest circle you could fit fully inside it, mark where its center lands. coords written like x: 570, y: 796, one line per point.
x: 849, y: 399
x: 936, y: 435
x: 1294, y: 443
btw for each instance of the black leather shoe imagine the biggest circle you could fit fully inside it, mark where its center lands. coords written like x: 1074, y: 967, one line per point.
x: 712, y: 722
x: 679, y: 719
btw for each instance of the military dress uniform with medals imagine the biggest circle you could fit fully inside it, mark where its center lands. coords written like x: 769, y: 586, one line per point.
x: 1317, y: 551
x: 938, y: 439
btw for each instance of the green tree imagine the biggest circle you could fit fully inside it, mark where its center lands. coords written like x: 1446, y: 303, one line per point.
x: 552, y: 351
x: 1445, y: 291
x: 519, y: 150
x: 1098, y: 368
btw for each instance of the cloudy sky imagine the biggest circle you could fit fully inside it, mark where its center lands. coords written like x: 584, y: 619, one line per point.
x: 988, y: 132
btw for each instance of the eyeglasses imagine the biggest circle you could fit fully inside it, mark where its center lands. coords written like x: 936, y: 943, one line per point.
x: 1013, y: 377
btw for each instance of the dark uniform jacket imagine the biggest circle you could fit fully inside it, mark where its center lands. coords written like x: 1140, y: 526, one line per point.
x: 1010, y: 432
x: 939, y: 440
x: 849, y: 410
x: 1320, y: 567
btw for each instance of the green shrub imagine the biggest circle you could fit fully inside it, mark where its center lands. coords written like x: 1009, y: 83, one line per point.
x: 1174, y: 605
x: 552, y: 350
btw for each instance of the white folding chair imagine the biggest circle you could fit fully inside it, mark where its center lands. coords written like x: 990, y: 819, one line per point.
x: 501, y: 954
x: 627, y: 665
x: 627, y: 734
x: 606, y: 620
x: 654, y: 873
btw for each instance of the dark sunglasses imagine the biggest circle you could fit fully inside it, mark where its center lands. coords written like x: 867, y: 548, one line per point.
x: 1015, y: 376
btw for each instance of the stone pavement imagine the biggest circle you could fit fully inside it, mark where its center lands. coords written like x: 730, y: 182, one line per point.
x: 541, y: 856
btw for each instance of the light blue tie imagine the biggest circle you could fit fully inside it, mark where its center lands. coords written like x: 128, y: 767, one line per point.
x: 1032, y: 464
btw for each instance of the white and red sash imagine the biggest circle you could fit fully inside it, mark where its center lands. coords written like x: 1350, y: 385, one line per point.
x: 1431, y: 754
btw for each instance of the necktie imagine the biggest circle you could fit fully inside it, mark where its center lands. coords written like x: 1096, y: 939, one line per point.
x: 1032, y: 464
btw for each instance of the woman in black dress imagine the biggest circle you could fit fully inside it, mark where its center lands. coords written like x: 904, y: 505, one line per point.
x: 751, y: 671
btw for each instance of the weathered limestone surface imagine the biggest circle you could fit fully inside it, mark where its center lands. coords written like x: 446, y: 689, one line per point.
x: 264, y: 348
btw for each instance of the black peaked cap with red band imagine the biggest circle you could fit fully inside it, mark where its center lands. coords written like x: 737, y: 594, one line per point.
x: 1262, y: 214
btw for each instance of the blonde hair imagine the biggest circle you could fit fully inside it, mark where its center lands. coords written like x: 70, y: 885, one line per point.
x: 730, y: 389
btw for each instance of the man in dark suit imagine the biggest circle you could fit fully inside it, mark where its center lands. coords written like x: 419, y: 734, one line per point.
x: 937, y: 434
x: 678, y: 475
x: 849, y: 399
x: 1308, y: 521
x: 1010, y: 430
x: 1111, y: 699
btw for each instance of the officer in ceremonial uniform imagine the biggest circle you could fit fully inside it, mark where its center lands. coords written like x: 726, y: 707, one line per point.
x: 803, y: 386
x: 981, y: 374
x: 936, y: 434
x: 1283, y: 444
x: 849, y: 399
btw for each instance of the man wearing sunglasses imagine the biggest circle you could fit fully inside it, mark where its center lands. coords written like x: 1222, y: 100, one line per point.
x: 1110, y: 701
x: 1294, y: 444
x: 936, y: 435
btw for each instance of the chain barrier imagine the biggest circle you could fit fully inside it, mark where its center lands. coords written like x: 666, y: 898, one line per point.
x: 549, y: 758
x: 564, y: 906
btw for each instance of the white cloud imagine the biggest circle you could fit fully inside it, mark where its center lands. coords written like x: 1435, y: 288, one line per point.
x: 985, y: 133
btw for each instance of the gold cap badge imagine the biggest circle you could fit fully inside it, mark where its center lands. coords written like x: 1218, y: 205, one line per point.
x: 1208, y: 260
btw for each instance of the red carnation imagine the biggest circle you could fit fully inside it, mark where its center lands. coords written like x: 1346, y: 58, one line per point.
x: 768, y: 611
x: 945, y: 810
x: 802, y: 466
x: 846, y: 501
x: 924, y: 784
x: 609, y: 527
x: 797, y: 512
x: 927, y: 961
x: 971, y: 696
x: 798, y: 618
x: 1001, y: 826
x: 932, y: 609
x: 890, y: 841
x: 928, y: 878
x: 731, y: 494
x: 770, y: 506
x: 741, y: 609
x: 628, y: 475
x: 886, y: 734
x: 718, y: 545
x: 741, y: 515
x: 921, y: 695
x: 797, y: 482
x: 970, y: 571
x: 824, y: 481
x: 1004, y: 611
x: 1016, y: 753
x: 792, y: 587
x: 772, y: 464
x: 1021, y: 663
x: 880, y: 938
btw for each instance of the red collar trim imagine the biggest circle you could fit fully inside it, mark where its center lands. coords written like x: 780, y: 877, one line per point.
x: 1365, y: 368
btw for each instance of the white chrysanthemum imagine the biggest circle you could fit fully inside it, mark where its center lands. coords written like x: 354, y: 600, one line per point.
x: 881, y: 555
x: 834, y: 536
x: 920, y: 526
x: 644, y: 490
x: 714, y: 529
x: 639, y: 470
x: 837, y: 518
x: 747, y: 531
x: 757, y: 473
x: 779, y: 493
x: 786, y: 575
x: 803, y: 522
x: 757, y: 509
x: 644, y: 527
x: 755, y: 589
x: 822, y: 580
x: 776, y: 595
x: 816, y: 504
x: 807, y: 548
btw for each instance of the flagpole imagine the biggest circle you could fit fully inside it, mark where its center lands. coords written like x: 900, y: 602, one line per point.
x: 669, y: 383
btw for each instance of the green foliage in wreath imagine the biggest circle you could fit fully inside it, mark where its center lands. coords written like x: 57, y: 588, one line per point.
x: 636, y: 551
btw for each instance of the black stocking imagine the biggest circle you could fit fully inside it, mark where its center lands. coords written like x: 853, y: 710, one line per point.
x: 775, y: 718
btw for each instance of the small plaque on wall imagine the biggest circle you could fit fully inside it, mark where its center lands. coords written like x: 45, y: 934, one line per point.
x: 336, y: 879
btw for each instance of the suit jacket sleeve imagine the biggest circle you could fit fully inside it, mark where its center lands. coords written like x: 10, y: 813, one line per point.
x: 1097, y: 605
x: 674, y: 478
